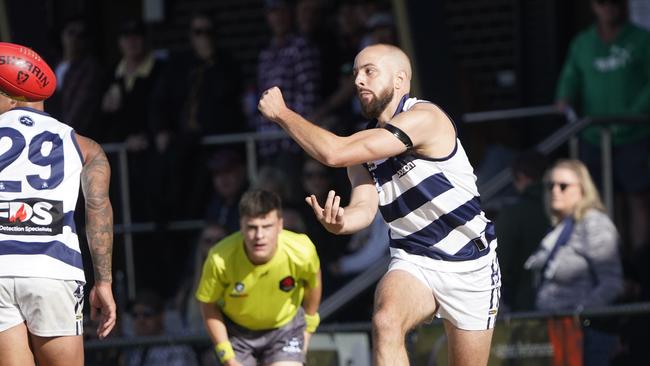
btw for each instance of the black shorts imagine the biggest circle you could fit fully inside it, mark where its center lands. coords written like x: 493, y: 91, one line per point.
x: 269, y: 346
x: 630, y: 165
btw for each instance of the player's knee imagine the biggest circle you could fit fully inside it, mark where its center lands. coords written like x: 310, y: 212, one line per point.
x: 387, y: 324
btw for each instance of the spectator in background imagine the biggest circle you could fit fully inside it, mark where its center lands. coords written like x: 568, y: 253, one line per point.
x: 577, y: 263
x: 185, y: 303
x: 520, y: 228
x: 148, y: 320
x: 380, y: 28
x: 272, y: 179
x: 317, y: 179
x: 607, y: 73
x: 80, y: 80
x: 126, y: 105
x: 229, y: 183
x: 198, y: 95
x: 365, y: 248
x: 311, y: 23
x: 359, y: 24
x: 292, y: 63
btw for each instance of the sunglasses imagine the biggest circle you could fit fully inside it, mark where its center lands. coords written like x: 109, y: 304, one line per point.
x: 563, y: 186
x: 202, y: 31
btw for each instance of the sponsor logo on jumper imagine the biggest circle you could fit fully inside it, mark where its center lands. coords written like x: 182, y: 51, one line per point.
x: 26, y: 120
x: 405, y: 168
x: 238, y: 290
x: 32, y: 216
x: 287, y: 284
x: 25, y: 65
x: 239, y: 287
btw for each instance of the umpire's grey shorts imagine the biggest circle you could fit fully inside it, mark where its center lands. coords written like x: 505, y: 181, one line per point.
x: 269, y: 346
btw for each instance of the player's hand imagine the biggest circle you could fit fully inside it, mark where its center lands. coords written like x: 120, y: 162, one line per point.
x: 102, y: 305
x: 233, y: 362
x: 272, y: 104
x: 331, y: 215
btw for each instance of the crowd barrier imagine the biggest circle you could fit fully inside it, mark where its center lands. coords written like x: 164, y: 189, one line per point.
x: 520, y: 339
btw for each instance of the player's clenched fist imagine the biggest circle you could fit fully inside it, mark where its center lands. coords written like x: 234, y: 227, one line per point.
x: 272, y: 104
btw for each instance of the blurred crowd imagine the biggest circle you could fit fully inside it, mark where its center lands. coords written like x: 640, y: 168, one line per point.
x: 161, y: 105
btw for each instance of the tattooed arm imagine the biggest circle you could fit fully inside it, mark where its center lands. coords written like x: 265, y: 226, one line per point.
x: 95, y: 178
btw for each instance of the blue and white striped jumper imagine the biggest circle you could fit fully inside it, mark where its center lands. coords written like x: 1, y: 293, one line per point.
x: 40, y: 168
x: 432, y: 208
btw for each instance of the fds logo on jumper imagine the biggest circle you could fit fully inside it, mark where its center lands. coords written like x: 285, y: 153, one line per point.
x: 32, y: 216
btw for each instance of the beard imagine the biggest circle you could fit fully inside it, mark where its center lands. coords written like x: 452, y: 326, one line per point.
x: 377, y: 104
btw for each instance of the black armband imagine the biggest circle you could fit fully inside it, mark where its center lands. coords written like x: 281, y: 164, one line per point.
x: 401, y: 135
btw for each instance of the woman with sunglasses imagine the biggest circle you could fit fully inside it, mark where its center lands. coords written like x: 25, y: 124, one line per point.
x: 577, y: 264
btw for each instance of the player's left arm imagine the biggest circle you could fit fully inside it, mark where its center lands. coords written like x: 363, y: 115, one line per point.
x: 425, y: 125
x: 95, y: 179
x: 310, y: 303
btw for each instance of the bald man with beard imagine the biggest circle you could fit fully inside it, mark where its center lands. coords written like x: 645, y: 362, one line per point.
x: 410, y: 164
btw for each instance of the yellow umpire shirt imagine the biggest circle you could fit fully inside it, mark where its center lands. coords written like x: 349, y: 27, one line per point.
x: 264, y: 296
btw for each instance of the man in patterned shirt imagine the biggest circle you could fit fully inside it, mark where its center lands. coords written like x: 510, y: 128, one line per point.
x: 291, y: 62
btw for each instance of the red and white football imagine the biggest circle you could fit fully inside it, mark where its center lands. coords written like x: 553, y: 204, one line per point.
x: 24, y: 75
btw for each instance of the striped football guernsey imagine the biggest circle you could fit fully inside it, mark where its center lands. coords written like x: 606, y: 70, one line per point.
x: 432, y: 208
x: 40, y: 167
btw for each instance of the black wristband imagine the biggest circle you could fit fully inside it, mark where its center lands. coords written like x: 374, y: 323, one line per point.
x: 401, y: 135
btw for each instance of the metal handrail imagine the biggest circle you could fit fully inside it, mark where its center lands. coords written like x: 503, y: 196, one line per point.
x: 548, y: 145
x: 486, y: 116
x: 201, y: 338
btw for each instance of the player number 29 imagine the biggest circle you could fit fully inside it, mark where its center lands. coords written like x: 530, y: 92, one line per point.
x: 54, y: 159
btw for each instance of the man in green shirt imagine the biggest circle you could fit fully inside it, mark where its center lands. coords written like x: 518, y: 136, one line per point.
x: 607, y: 73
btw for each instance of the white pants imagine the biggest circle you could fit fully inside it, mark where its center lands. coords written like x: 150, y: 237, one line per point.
x: 470, y: 300
x: 49, y: 307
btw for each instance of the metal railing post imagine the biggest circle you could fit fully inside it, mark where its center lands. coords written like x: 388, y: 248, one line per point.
x: 251, y: 160
x: 606, y: 171
x: 572, y: 117
x: 125, y: 200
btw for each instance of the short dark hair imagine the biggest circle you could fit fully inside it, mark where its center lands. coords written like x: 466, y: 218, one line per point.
x: 259, y: 202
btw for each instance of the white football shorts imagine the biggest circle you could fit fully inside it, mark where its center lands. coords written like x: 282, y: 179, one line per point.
x: 470, y: 300
x: 49, y: 307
